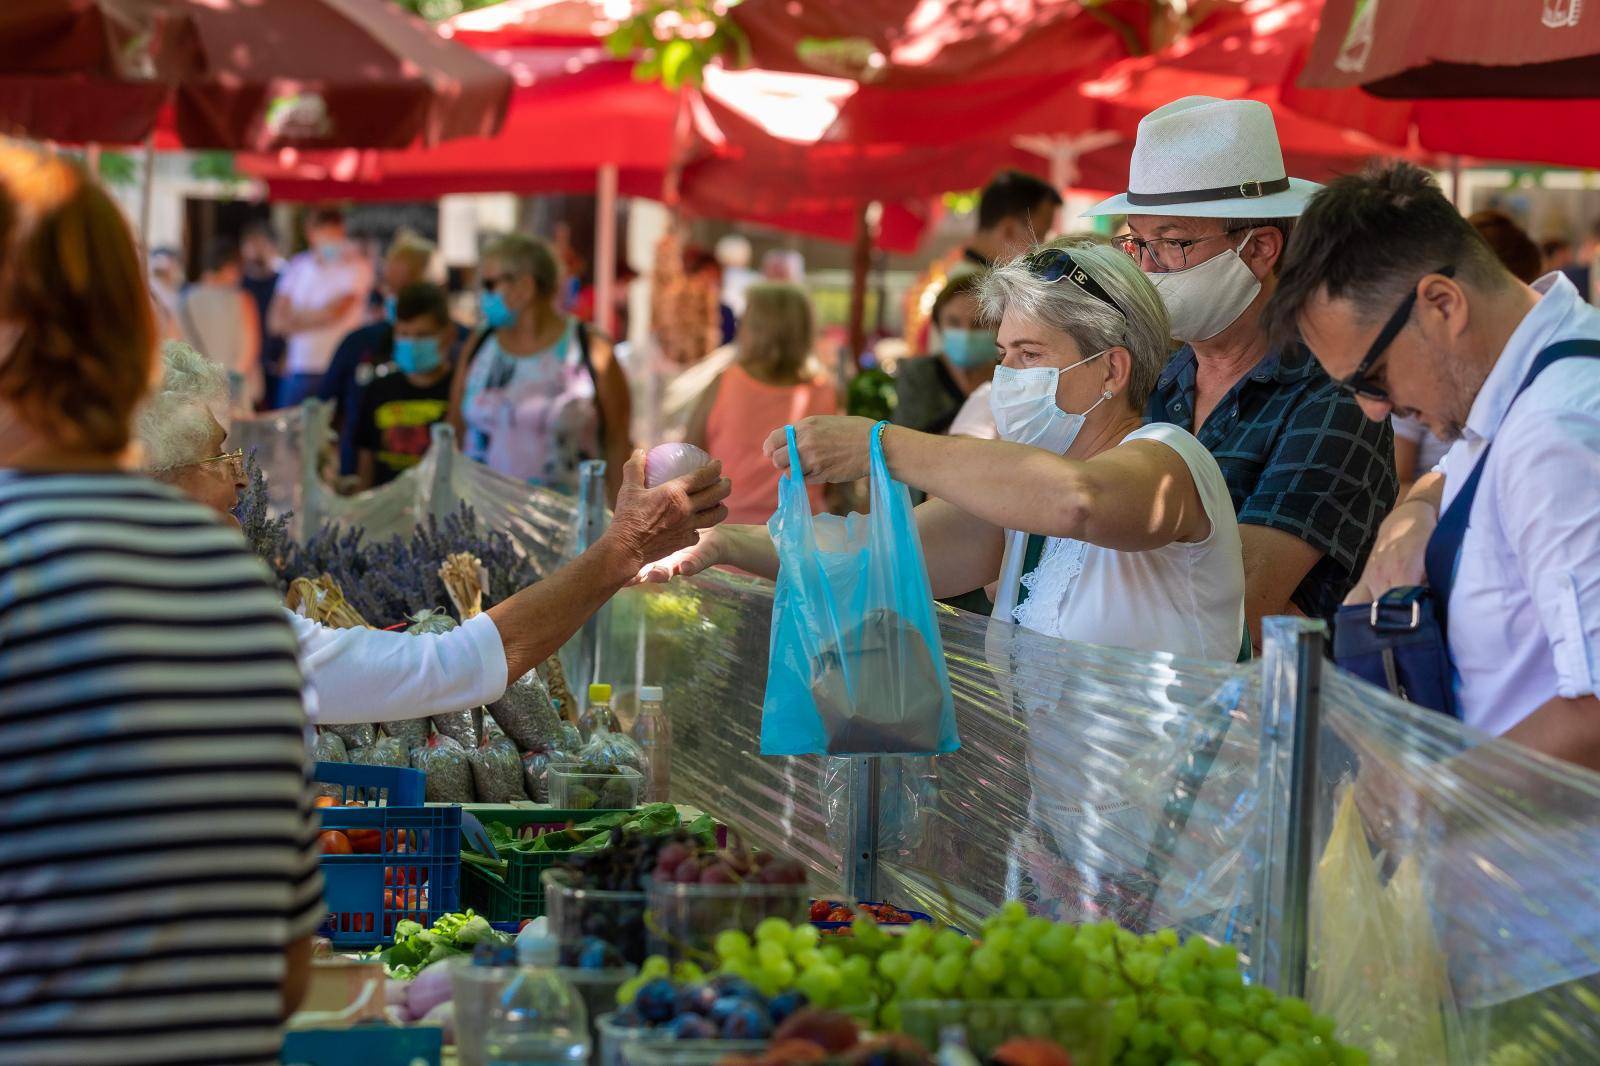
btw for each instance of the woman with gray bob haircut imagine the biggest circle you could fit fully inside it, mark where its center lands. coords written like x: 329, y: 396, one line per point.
x: 1091, y: 526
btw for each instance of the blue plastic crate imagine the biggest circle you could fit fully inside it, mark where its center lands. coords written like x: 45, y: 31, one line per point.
x: 364, y: 1044
x: 414, y: 869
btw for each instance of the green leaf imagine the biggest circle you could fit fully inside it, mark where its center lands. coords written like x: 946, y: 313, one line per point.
x: 674, y: 57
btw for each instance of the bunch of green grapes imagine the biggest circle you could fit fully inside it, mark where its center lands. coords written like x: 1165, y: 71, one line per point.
x: 781, y: 957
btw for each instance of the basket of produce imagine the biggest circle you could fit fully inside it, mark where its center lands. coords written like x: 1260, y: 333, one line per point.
x: 834, y: 917
x: 384, y: 862
x: 584, y: 786
x: 507, y: 886
x: 696, y: 894
x: 362, y: 1043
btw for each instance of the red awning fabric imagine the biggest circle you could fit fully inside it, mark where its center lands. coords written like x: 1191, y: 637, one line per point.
x: 240, y: 75
x: 1468, y: 48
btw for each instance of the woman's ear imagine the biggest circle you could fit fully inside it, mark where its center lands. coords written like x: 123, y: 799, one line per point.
x: 1118, y: 369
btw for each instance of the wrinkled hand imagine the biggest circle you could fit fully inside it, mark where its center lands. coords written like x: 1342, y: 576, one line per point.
x: 650, y: 524
x: 833, y: 448
x: 1397, y: 557
x: 687, y: 562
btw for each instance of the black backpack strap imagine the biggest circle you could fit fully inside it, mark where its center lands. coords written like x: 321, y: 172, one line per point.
x: 584, y: 354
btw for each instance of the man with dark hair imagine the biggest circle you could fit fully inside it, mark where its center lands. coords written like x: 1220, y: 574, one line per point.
x: 1209, y: 209
x: 258, y: 254
x: 1015, y: 212
x: 318, y: 300
x: 411, y: 393
x: 1408, y: 309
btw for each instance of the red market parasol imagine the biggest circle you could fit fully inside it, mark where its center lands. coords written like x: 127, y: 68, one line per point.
x: 1468, y: 48
x: 240, y: 74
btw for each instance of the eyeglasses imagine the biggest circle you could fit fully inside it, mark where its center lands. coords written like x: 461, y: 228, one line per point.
x: 1052, y: 264
x: 234, y: 461
x: 1361, y: 382
x: 488, y: 283
x: 1166, y: 253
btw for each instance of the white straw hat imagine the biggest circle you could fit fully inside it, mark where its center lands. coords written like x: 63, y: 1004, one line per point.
x: 1202, y: 157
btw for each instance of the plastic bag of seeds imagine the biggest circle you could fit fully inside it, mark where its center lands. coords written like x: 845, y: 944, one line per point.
x: 330, y: 747
x: 449, y: 772
x: 526, y: 713
x: 363, y: 735
x: 411, y: 733
x: 535, y: 771
x: 612, y: 749
x: 458, y: 726
x: 497, y: 771
x: 386, y: 751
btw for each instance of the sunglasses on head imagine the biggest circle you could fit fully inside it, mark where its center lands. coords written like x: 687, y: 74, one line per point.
x: 1360, y: 382
x: 1050, y: 265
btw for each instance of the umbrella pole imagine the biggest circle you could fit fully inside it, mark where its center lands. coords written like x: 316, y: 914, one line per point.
x: 146, y: 194
x: 1457, y: 193
x: 860, y: 265
x: 605, y: 250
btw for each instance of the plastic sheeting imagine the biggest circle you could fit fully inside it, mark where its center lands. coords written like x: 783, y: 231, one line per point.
x: 1099, y: 783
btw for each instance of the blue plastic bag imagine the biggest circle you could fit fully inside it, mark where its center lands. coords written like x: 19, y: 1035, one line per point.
x: 856, y: 664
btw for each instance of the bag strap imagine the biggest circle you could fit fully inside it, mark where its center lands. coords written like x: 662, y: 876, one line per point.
x: 1444, y: 547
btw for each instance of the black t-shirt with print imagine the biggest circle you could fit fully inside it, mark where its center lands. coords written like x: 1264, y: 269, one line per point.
x: 396, y: 419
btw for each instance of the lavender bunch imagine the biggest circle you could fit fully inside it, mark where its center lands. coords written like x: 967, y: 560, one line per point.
x: 460, y: 531
x: 399, y: 582
x: 268, y: 537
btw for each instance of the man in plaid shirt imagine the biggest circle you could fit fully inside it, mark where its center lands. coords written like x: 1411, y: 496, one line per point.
x: 1209, y: 210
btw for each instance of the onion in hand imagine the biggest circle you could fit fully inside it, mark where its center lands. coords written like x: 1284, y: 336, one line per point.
x: 668, y: 461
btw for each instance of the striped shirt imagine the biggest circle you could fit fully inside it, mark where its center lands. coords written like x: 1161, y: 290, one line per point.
x: 157, y: 845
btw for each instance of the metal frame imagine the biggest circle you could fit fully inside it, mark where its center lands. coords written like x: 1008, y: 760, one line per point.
x: 592, y: 519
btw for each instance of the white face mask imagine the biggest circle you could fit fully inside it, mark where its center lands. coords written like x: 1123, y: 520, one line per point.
x: 1206, y: 299
x: 1025, y: 410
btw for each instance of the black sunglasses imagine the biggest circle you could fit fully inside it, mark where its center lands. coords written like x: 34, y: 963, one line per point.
x: 488, y: 284
x: 1052, y: 264
x: 1360, y: 383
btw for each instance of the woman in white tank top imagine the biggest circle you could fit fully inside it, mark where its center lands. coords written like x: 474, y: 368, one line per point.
x: 1091, y: 526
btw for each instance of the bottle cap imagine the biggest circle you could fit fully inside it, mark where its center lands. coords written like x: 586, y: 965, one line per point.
x: 599, y: 693
x: 651, y: 694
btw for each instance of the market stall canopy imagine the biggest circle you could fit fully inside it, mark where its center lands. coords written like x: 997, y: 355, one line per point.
x: 1500, y: 128
x: 240, y: 74
x: 1469, y: 48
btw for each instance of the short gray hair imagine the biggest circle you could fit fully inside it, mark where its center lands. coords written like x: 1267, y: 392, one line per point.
x: 1141, y: 327
x: 174, y: 425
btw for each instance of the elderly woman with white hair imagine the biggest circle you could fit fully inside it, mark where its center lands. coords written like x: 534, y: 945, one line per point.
x: 1096, y: 527
x: 370, y: 675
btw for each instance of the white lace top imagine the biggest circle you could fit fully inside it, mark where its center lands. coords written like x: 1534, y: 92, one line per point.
x: 1187, y: 599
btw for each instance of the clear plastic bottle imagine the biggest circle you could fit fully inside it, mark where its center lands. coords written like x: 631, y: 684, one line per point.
x: 654, y: 734
x: 539, y: 1019
x: 953, y: 1050
x: 598, y: 713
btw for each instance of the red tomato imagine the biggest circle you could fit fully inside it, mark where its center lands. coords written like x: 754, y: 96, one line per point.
x: 819, y: 910
x: 325, y: 801
x: 405, y: 875
x: 334, y: 842
x: 365, y: 841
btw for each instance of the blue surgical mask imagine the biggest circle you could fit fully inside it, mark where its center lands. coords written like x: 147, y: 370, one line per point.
x: 1025, y: 411
x: 970, y: 349
x: 330, y: 251
x: 417, y: 355
x: 492, y: 306
x: 389, y: 304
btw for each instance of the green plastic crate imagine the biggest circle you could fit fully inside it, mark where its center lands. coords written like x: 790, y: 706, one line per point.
x: 518, y: 894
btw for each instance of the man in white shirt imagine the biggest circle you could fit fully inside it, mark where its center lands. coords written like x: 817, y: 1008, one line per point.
x: 318, y: 300
x: 370, y: 675
x: 1405, y: 305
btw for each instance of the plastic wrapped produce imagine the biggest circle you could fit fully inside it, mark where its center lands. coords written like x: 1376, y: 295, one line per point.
x: 526, y: 714
x: 535, y: 771
x: 387, y: 751
x: 363, y: 735
x: 411, y: 733
x: 497, y: 771
x: 555, y: 680
x: 330, y: 747
x: 571, y: 739
x: 612, y: 749
x: 448, y: 769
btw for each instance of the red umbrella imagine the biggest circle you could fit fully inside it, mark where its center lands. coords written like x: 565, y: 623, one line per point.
x: 1544, y: 131
x: 240, y: 74
x: 1468, y: 48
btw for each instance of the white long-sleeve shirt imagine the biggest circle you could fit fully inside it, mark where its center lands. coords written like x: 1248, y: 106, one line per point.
x: 1525, y: 605
x: 370, y: 675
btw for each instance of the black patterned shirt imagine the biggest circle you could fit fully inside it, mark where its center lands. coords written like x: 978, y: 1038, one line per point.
x: 1298, y: 455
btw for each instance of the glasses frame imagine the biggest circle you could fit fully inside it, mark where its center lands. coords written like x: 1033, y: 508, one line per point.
x: 488, y: 284
x: 1359, y: 382
x: 1138, y: 247
x: 1050, y: 265
x: 235, y: 457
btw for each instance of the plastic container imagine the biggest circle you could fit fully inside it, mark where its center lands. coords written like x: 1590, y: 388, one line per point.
x: 1081, y: 1027
x: 512, y: 892
x: 614, y: 1039
x: 572, y: 789
x: 410, y: 1045
x: 654, y: 735
x: 413, y: 869
x: 538, y: 1018
x: 474, y: 990
x: 685, y: 919
x: 598, y: 988
x: 687, y: 1052
x: 616, y: 917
